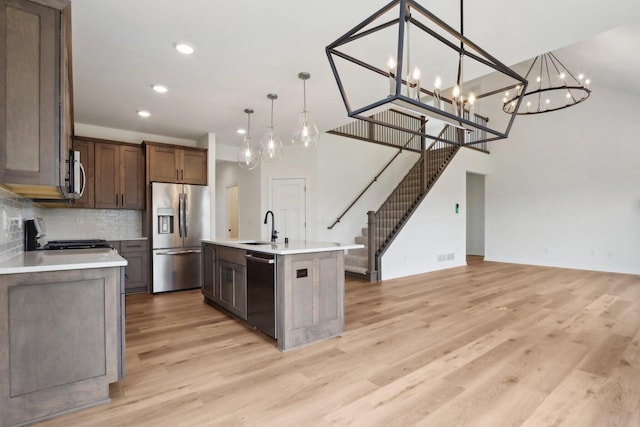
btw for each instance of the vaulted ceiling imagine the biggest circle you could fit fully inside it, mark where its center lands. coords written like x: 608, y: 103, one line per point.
x: 247, y: 49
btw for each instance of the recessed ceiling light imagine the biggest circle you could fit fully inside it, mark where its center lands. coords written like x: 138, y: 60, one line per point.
x: 160, y: 88
x: 241, y: 131
x: 143, y: 113
x: 184, y: 48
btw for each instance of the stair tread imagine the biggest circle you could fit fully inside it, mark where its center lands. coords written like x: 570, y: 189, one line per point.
x: 355, y: 269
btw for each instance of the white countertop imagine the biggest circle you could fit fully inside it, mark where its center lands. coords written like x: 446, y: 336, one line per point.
x: 72, y: 259
x: 281, y: 248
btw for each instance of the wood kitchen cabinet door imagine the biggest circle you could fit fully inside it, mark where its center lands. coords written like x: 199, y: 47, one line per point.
x: 209, y: 272
x: 163, y: 164
x: 136, y: 273
x: 193, y: 167
x: 29, y: 85
x: 119, y: 176
x: 107, y: 176
x: 173, y: 164
x: 233, y: 288
x: 131, y: 177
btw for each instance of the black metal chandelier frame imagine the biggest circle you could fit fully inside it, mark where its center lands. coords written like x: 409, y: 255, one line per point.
x: 466, y: 48
x: 549, y: 65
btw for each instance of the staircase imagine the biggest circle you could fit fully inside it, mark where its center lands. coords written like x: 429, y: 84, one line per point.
x: 385, y: 223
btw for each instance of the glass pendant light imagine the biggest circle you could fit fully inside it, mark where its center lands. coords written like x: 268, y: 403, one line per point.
x: 306, y: 134
x: 271, y: 145
x: 248, y: 156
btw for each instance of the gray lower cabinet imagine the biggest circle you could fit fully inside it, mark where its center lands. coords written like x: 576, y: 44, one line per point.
x: 209, y: 269
x: 224, y: 278
x: 233, y: 287
x: 136, y: 273
x: 309, y: 291
x: 59, y: 334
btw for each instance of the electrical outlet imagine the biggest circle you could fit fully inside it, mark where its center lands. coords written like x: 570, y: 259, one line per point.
x: 442, y: 258
x: 451, y: 256
x: 610, y: 254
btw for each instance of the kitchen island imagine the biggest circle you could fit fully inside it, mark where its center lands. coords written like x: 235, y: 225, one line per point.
x: 61, y: 332
x: 307, y: 286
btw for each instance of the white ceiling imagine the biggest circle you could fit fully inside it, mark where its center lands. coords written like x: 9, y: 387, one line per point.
x: 247, y: 49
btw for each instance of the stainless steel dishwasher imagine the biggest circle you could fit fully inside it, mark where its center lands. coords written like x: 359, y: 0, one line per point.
x: 261, y: 292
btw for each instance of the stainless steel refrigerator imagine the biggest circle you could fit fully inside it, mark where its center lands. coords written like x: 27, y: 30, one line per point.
x: 180, y: 215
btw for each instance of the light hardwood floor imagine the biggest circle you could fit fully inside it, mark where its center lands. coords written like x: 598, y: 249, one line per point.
x: 485, y: 345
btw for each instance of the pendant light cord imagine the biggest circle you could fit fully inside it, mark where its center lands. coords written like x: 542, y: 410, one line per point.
x: 459, y: 80
x: 304, y: 95
x: 272, y: 113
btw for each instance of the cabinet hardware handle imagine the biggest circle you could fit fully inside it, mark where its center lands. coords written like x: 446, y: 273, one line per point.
x: 122, y: 197
x: 262, y: 260
x: 116, y: 199
x: 193, y: 251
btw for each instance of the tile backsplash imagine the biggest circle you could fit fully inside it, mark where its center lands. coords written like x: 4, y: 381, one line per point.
x: 13, y: 211
x: 62, y: 224
x: 110, y: 224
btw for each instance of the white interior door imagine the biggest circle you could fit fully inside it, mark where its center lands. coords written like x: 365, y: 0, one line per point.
x: 232, y: 212
x: 289, y: 206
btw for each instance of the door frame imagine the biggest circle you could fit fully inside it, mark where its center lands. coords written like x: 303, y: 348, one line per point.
x: 227, y: 221
x: 469, y: 212
x: 305, y: 179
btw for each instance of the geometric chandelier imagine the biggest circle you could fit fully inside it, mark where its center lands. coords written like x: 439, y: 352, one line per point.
x: 404, y: 58
x: 552, y: 87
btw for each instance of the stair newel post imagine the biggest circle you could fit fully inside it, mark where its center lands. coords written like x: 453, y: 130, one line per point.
x: 372, y: 245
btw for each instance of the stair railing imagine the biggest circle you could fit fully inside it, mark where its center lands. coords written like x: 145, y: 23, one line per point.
x: 375, y: 178
x: 384, y: 224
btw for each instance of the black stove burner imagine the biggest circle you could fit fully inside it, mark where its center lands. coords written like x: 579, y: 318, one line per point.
x: 76, y: 244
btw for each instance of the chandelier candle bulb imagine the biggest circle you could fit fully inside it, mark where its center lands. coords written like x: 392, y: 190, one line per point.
x: 437, y: 100
x: 472, y: 107
x: 414, y: 84
x: 391, y: 63
x: 454, y: 101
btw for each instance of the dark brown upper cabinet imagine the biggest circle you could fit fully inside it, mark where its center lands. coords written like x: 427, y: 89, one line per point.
x: 175, y: 164
x: 119, y: 176
x: 36, y: 101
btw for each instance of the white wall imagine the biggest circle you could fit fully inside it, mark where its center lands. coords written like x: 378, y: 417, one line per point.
x: 565, y: 189
x: 475, y: 214
x: 335, y: 173
x: 295, y: 163
x: 435, y: 229
x: 345, y: 168
x: 209, y: 141
x: 82, y: 129
x: 249, y: 202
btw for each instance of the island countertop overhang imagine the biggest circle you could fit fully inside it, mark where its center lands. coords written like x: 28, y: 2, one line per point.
x: 74, y: 259
x: 280, y: 248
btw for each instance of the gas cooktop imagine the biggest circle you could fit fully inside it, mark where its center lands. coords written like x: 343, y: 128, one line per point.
x: 76, y: 244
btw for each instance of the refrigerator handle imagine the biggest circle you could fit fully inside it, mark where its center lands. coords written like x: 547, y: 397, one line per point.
x: 180, y: 214
x: 185, y: 205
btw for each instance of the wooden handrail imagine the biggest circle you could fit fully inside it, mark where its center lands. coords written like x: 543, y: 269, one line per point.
x: 375, y: 179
